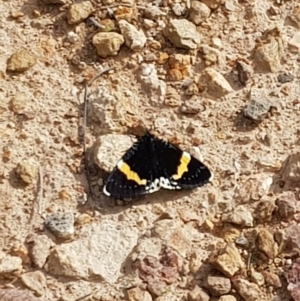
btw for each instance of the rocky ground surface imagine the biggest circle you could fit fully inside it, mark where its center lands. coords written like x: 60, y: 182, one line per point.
x: 219, y: 79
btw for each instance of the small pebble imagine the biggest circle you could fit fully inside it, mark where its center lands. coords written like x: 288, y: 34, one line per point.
x: 285, y: 78
x: 257, y: 108
x: 20, y: 61
x: 82, y: 199
x: 79, y: 11
x: 19, y: 102
x: 216, y: 42
x: 27, y: 172
x: 61, y: 224
x: 199, y: 12
x: 229, y: 6
x: 36, y: 281
x: 242, y: 241
x: 178, y: 9
x: 72, y: 37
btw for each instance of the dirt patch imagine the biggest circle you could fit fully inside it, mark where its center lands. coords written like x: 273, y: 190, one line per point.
x: 193, y: 94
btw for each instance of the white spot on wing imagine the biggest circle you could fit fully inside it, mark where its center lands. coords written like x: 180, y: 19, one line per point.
x: 120, y: 163
x: 105, y: 191
x: 165, y: 183
x: 154, y: 186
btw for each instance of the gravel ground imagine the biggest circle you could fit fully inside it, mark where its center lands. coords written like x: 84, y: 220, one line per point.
x: 219, y: 79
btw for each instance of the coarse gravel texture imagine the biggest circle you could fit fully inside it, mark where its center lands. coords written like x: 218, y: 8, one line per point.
x: 42, y: 130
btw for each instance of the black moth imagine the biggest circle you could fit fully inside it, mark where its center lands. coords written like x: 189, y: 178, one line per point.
x: 152, y: 163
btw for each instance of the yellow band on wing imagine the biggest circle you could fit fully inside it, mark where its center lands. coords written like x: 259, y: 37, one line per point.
x: 130, y: 175
x: 182, y: 168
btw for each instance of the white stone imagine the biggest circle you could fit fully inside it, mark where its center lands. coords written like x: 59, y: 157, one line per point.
x: 182, y: 33
x: 199, y: 12
x: 216, y: 42
x: 178, y: 9
x: 135, y: 39
x: 100, y: 251
x: 10, y: 265
x: 216, y: 85
x: 72, y: 37
x: 150, y: 81
x: 108, y: 149
x: 149, y: 23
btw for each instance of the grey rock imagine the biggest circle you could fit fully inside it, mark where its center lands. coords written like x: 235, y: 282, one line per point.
x: 258, y: 106
x: 285, y: 78
x: 157, y: 288
x: 61, y: 224
x: 110, y: 107
x: 212, y: 55
x: 242, y: 241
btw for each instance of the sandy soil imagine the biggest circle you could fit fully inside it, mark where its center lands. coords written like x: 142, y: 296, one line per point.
x: 47, y: 130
